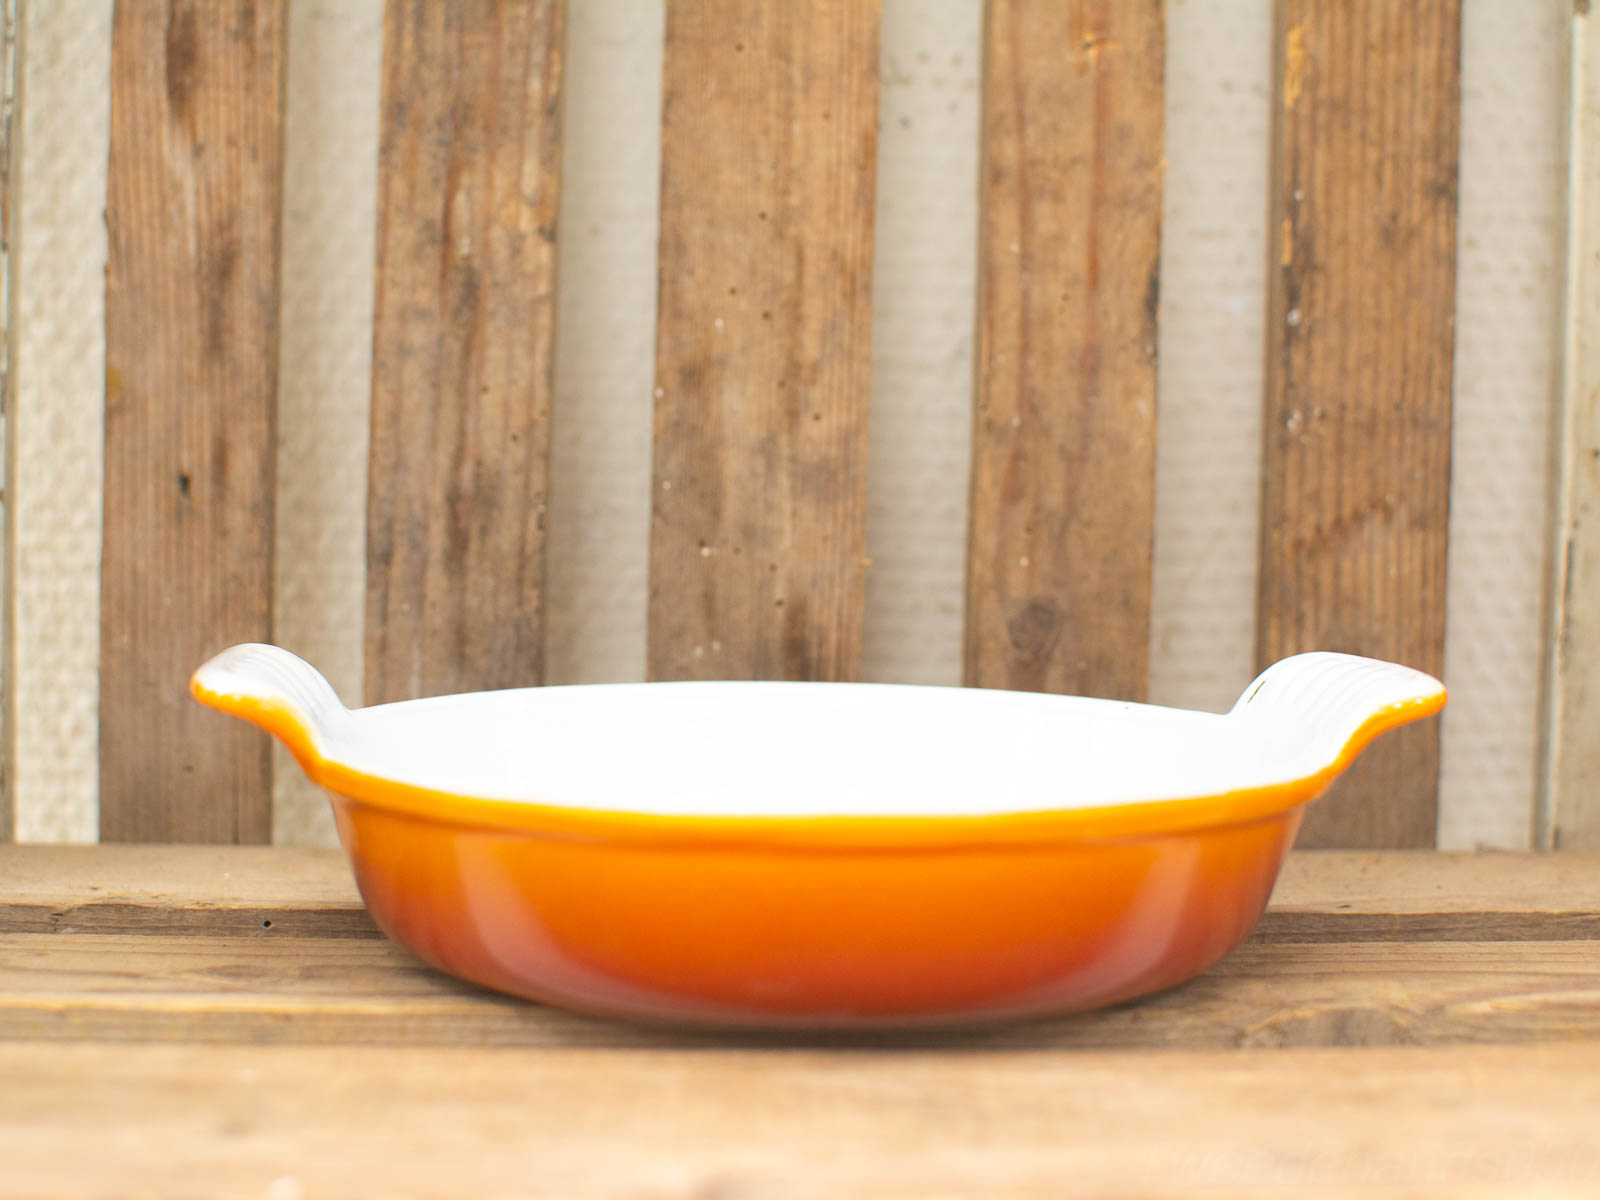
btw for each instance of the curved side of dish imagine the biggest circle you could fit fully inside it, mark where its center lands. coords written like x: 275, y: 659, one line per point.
x: 833, y: 923
x: 767, y: 936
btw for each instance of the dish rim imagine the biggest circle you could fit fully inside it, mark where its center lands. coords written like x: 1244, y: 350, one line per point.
x: 1145, y: 818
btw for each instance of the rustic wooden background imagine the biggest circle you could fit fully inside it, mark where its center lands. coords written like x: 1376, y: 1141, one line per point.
x: 1109, y: 348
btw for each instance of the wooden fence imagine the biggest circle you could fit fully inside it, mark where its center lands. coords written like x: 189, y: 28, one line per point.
x: 758, y: 496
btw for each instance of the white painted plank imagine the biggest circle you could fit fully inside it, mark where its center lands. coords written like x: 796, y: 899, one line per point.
x: 59, y: 419
x: 597, y: 552
x: 10, y: 130
x: 1569, y: 808
x: 325, y: 385
x: 924, y: 274
x: 1508, y: 308
x: 1212, y: 326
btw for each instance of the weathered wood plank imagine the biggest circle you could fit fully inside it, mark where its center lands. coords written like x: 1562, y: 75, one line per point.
x: 463, y: 344
x: 177, y: 876
x: 365, y: 991
x: 1478, y: 1122
x: 1568, y: 813
x: 117, y: 916
x: 758, y: 504
x: 1460, y: 884
x: 1322, y: 896
x: 193, y: 215
x: 1063, y: 458
x: 1356, y: 458
x: 215, y: 891
x: 1345, y: 896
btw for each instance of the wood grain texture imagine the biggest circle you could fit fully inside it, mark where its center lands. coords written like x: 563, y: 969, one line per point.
x: 193, y: 216
x: 1474, y: 1122
x: 231, y: 891
x: 354, y: 991
x: 758, y: 502
x: 1427, y: 881
x: 464, y: 316
x: 1356, y: 455
x: 1426, y: 895
x: 1321, y: 896
x: 1568, y: 810
x: 1063, y: 456
x: 177, y: 876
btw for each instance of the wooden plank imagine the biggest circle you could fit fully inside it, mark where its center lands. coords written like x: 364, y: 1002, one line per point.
x: 1455, y: 884
x: 178, y: 876
x: 1568, y: 811
x: 1322, y: 896
x: 758, y: 503
x: 193, y: 213
x: 462, y: 352
x: 234, y: 891
x: 368, y: 991
x: 1063, y: 458
x: 1467, y: 1122
x: 1345, y: 896
x: 1356, y: 457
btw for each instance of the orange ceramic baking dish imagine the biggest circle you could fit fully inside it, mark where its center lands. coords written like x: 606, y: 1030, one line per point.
x: 820, y: 854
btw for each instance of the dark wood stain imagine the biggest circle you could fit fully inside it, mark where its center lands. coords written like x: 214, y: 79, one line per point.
x: 1034, y: 630
x: 181, y: 59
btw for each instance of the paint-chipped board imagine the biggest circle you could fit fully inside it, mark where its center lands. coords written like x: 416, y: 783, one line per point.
x: 192, y: 299
x: 1360, y: 342
x: 464, y: 325
x: 1063, y: 457
x: 758, y: 500
x: 1568, y: 814
x: 10, y: 119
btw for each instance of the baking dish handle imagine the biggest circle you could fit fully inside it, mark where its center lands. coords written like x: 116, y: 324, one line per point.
x: 278, y: 691
x: 1335, y: 704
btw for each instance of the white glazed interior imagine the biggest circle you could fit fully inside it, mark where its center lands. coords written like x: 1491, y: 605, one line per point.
x: 818, y: 749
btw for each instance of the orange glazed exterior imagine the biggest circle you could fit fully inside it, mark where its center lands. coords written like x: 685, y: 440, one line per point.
x: 743, y: 933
